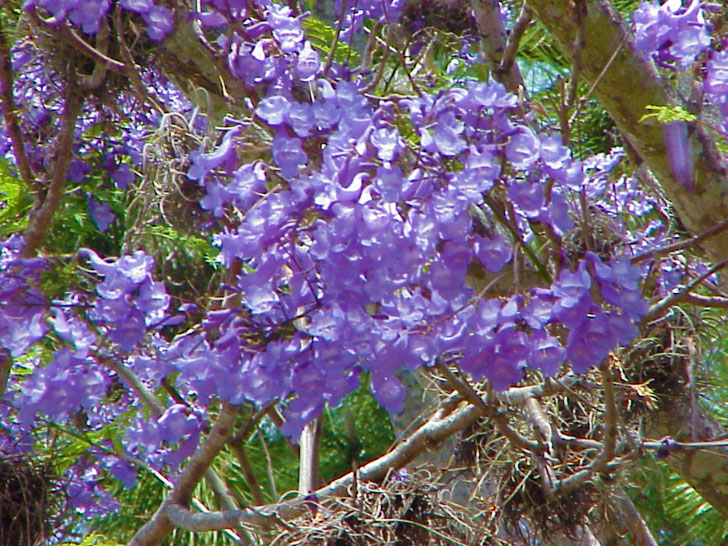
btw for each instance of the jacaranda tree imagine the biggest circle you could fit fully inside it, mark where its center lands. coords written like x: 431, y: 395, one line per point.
x: 225, y: 222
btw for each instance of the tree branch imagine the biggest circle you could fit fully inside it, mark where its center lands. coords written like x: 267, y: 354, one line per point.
x: 149, y: 399
x: 432, y: 433
x: 680, y: 295
x: 609, y: 441
x: 500, y: 53
x: 40, y: 220
x: 159, y: 526
x: 681, y: 245
x: 467, y: 391
x: 10, y: 114
x: 308, y: 457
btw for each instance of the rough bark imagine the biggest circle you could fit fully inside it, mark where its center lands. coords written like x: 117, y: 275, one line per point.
x: 625, y: 84
x: 201, y: 74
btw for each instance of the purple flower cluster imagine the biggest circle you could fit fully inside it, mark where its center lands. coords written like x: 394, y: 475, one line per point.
x: 271, y: 50
x: 359, y: 236
x: 355, y: 11
x: 88, y: 14
x: 22, y: 304
x: 130, y: 301
x: 671, y: 32
x: 65, y: 385
x: 363, y: 260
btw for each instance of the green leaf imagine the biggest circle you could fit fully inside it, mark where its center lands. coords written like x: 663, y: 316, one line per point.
x: 668, y: 114
x: 15, y: 202
x: 322, y: 36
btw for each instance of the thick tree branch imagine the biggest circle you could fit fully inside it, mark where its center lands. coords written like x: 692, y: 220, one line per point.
x: 500, y: 53
x: 159, y: 526
x: 193, y: 67
x: 41, y: 218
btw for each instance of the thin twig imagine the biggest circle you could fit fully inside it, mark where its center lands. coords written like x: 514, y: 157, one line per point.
x: 97, y: 77
x: 130, y: 378
x: 134, y: 77
x: 680, y: 295
x: 681, y: 245
x: 269, y: 465
x: 706, y: 301
x: 335, y: 40
x: 69, y: 35
x: 248, y: 473
x: 382, y: 65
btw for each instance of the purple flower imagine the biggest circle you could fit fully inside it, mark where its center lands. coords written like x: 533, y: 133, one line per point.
x: 546, y: 353
x: 288, y: 154
x: 389, y: 392
x: 73, y: 330
x: 248, y: 184
x: 176, y: 424
x: 445, y: 136
x: 137, y: 6
x: 553, y: 152
x: 152, y: 301
x: 327, y: 113
x: 101, y: 214
x: 671, y: 32
x: 286, y: 30
x: 21, y: 326
x: 522, y: 149
x: 494, y: 253
x: 716, y: 81
x: 273, y: 109
x: 129, y: 331
x: 78, y: 170
x: 387, y: 142
x: 216, y: 199
x: 389, y: 183
x: 88, y: 13
x: 308, y: 63
x: 572, y: 286
x: 203, y: 163
x: 590, y: 343
x: 123, y: 177
x: 160, y: 22
x: 528, y: 197
x: 301, y: 118
x: 680, y: 154
x: 490, y: 95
